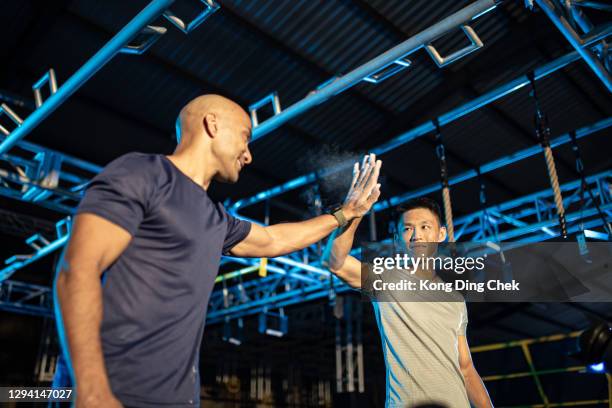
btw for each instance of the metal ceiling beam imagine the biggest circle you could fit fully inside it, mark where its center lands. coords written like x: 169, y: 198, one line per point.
x: 283, y: 288
x: 572, y: 37
x: 182, y: 73
x: 357, y: 75
x: 93, y: 65
x: 29, y: 104
x: 506, y: 121
x: 421, y: 130
x: 399, y: 33
x: 324, y: 74
x: 494, y: 165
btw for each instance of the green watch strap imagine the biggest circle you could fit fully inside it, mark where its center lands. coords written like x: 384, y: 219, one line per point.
x: 339, y: 215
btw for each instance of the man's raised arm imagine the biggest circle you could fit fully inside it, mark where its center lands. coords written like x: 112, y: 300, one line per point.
x: 341, y: 263
x: 281, y: 239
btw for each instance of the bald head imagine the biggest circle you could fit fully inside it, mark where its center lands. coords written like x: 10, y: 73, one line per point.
x: 215, y: 130
x: 192, y: 116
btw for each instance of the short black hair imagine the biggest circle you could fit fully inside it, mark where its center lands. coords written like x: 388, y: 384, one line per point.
x: 421, y: 202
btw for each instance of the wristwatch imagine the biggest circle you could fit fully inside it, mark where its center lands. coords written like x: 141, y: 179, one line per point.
x: 339, y: 216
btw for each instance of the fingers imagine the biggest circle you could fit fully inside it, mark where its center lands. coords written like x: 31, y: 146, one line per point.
x: 366, y: 171
x: 355, y: 177
x: 365, y: 188
x: 374, y: 195
x: 371, y: 182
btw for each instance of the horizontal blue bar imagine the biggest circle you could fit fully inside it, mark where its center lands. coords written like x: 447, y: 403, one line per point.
x: 357, y: 75
x: 105, y: 54
x: 495, y: 164
x: 421, y: 129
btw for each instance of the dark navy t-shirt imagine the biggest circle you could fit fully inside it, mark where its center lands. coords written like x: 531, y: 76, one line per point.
x: 156, y: 293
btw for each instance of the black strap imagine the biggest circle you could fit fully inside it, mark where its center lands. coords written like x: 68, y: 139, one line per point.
x: 584, y: 186
x: 440, y: 152
x: 542, y: 127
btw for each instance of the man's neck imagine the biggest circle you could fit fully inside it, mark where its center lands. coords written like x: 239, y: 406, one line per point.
x: 196, y: 167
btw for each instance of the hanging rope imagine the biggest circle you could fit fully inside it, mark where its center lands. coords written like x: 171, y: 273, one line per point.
x: 543, y: 134
x: 446, y: 200
x: 584, y: 187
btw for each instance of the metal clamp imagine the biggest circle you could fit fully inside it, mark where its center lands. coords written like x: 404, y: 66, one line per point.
x: 62, y: 227
x: 45, y: 174
x: 148, y: 36
x: 388, y: 70
x: 476, y: 44
x: 12, y: 115
x: 210, y: 7
x: 272, y: 99
x: 16, y: 258
x: 37, y: 241
x: 282, y: 323
x: 49, y: 78
x: 233, y: 335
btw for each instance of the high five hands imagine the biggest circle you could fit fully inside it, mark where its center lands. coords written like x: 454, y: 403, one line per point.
x: 365, y: 189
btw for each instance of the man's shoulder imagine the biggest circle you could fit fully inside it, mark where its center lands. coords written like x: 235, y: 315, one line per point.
x: 134, y: 165
x: 135, y: 160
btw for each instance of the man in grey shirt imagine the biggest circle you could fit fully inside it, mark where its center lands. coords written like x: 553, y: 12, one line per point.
x: 427, y: 357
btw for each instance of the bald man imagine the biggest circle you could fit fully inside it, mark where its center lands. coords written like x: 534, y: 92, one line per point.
x: 135, y: 280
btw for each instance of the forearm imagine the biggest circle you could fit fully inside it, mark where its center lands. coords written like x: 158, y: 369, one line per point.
x: 342, y: 245
x: 291, y: 237
x: 80, y: 299
x: 476, y: 390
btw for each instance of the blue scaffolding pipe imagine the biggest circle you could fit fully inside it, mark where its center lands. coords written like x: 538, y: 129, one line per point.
x: 477, y: 103
x: 495, y: 164
x: 106, y: 53
x: 66, y: 159
x: 318, y: 289
x: 13, y: 267
x: 342, y: 83
x: 568, y: 32
x: 420, y: 130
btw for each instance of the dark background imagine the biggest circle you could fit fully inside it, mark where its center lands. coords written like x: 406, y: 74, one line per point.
x: 248, y: 49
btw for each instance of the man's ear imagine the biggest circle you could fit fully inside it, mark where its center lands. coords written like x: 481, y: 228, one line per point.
x: 442, y: 234
x: 210, y: 124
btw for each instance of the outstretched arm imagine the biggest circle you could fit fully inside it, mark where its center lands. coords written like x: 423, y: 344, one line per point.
x: 477, y: 393
x: 341, y: 263
x: 281, y: 239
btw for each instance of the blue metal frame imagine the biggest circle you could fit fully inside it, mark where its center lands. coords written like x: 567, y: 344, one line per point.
x: 495, y: 164
x: 42, y: 247
x: 475, y: 45
x: 531, y: 218
x: 210, y: 6
x: 26, y: 298
x: 292, y: 279
x: 357, y: 75
x: 101, y: 58
x: 420, y: 130
x: 579, y: 45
